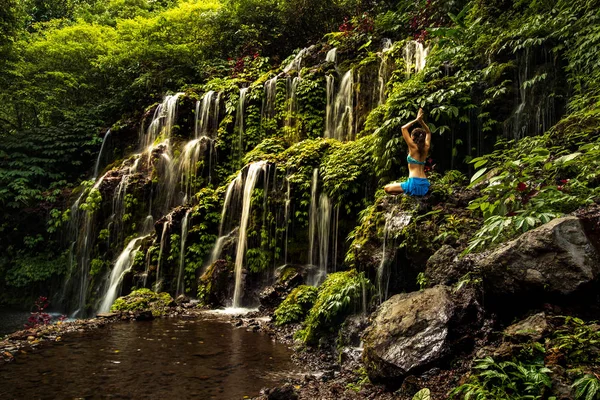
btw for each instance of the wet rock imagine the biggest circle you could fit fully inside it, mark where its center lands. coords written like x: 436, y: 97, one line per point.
x: 531, y: 328
x: 144, y: 316
x: 286, y: 392
x: 352, y: 330
x: 410, y: 332
x: 445, y: 267
x: 215, y: 285
x: 287, y: 278
x: 556, y: 258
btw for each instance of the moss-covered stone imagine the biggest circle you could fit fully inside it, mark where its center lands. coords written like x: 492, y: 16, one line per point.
x: 144, y: 300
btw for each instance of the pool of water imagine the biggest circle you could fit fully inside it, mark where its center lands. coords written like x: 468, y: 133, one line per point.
x: 163, y: 359
x: 12, y: 320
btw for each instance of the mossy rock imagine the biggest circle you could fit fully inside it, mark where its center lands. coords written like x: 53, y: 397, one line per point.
x: 144, y: 300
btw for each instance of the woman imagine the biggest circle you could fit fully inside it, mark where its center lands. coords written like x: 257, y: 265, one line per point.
x: 418, y: 142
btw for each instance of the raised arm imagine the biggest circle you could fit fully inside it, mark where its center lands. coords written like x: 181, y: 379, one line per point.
x: 406, y: 135
x: 425, y: 127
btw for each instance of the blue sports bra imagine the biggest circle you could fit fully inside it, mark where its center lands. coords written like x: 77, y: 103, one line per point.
x: 411, y: 160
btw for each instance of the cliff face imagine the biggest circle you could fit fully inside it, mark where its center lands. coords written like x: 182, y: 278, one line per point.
x: 263, y: 175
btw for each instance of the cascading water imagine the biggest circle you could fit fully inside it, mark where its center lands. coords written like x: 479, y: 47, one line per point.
x: 239, y: 121
x: 270, y: 95
x: 122, y: 265
x: 104, y: 146
x: 296, y: 63
x: 207, y: 115
x: 394, y: 223
x: 385, y: 70
x: 312, y: 217
x: 184, y: 233
x: 331, y: 56
x: 292, y: 102
x: 383, y: 276
x: 192, y: 152
x: 162, y: 121
x: 254, y: 171
x: 163, y: 241
x: 415, y: 56
x: 319, y: 233
x: 340, y: 109
x: 231, y: 202
x: 324, y: 237
x: 286, y: 216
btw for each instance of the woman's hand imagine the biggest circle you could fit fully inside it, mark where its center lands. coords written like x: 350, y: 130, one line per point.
x: 420, y: 114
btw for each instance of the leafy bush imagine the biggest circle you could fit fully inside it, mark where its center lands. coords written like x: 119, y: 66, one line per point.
x: 296, y: 305
x: 340, y: 295
x: 505, y: 380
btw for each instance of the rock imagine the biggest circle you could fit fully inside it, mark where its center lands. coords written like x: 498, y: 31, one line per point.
x: 287, y: 278
x: 144, y: 316
x: 445, y: 267
x: 410, y: 332
x: 108, y: 315
x: 556, y: 258
x: 215, y: 285
x: 531, y: 328
x: 286, y: 392
x: 352, y: 330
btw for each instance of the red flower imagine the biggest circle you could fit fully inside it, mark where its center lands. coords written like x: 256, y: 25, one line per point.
x: 560, y: 187
x: 521, y: 187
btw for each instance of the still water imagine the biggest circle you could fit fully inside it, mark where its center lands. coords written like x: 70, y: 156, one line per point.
x: 163, y: 359
x: 12, y: 321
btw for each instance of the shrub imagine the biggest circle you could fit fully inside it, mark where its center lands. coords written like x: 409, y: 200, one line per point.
x: 296, y: 305
x: 338, y: 296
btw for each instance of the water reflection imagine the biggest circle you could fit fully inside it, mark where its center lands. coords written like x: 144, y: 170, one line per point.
x: 166, y: 359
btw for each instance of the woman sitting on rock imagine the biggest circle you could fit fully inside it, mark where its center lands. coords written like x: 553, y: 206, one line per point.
x: 418, y: 142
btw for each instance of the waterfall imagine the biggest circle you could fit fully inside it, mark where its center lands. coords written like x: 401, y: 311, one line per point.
x: 383, y: 275
x: 312, y: 217
x: 385, y: 70
x: 184, y: 232
x: 81, y: 228
x: 319, y: 232
x: 329, y: 117
x: 101, y: 153
x: 340, y: 109
x: 188, y: 164
x: 296, y: 63
x: 394, y: 223
x: 168, y: 177
x: 162, y: 121
x: 286, y: 219
x: 270, y: 95
x: 163, y: 241
x: 207, y: 115
x: 324, y: 236
x: 231, y: 196
x: 239, y: 121
x: 415, y: 56
x: 253, y: 173
x: 292, y: 102
x: 122, y: 266
x: 331, y: 56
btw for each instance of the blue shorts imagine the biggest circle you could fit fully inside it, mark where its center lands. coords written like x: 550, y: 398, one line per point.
x: 415, y: 186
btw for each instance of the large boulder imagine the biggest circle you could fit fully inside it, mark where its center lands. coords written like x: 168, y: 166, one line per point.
x: 411, y: 332
x: 556, y: 258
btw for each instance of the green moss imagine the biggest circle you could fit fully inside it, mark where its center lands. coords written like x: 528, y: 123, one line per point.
x: 339, y: 296
x: 296, y: 305
x: 144, y: 300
